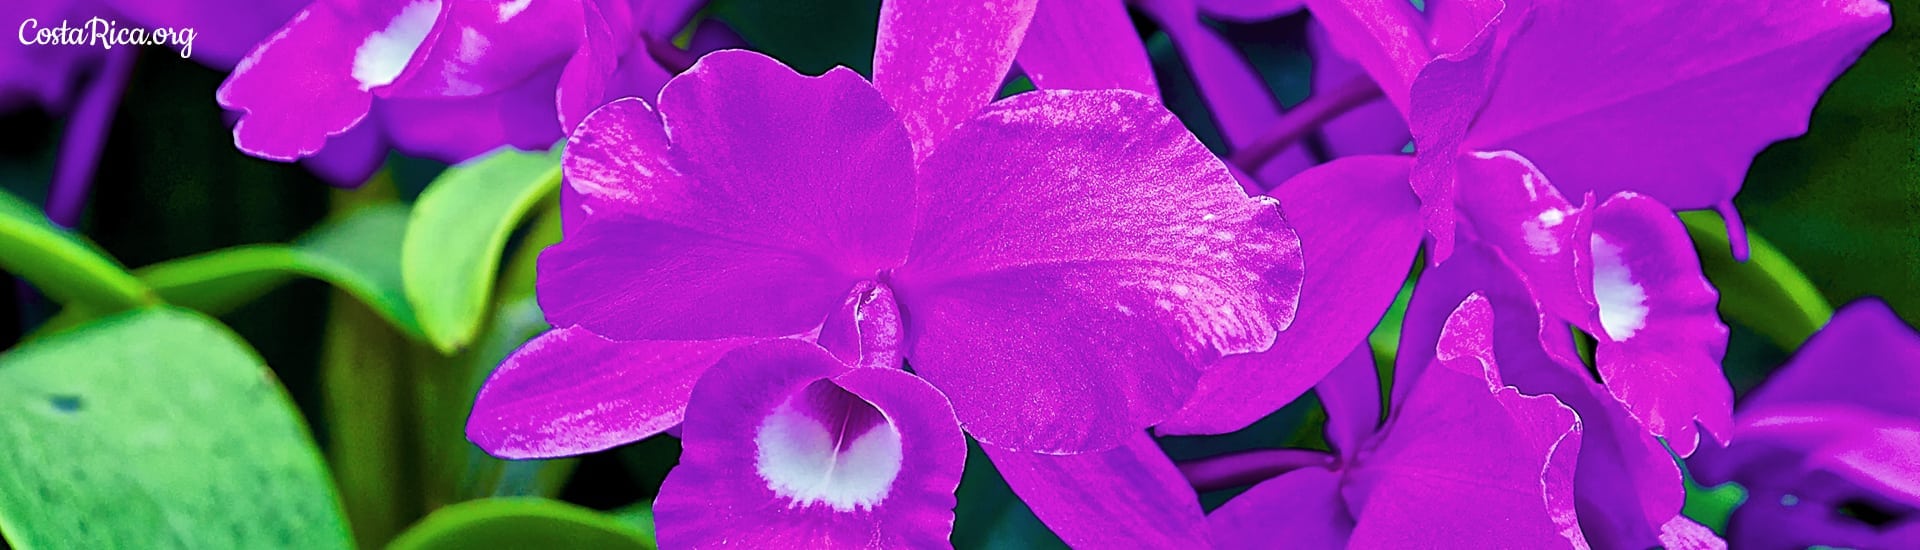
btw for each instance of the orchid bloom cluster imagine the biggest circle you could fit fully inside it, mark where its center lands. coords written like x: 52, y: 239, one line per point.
x: 826, y: 285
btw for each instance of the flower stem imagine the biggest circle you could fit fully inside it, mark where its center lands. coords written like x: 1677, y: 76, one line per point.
x: 1248, y: 467
x: 1303, y: 119
x: 86, y: 137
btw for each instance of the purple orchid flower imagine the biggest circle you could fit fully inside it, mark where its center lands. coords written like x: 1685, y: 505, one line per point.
x: 1065, y: 263
x: 1729, y: 78
x: 444, y: 79
x: 1461, y: 460
x: 1838, y: 426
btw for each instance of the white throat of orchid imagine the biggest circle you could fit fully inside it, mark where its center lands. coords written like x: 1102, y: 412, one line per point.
x: 385, y: 53
x: 825, y: 445
x: 1623, y: 304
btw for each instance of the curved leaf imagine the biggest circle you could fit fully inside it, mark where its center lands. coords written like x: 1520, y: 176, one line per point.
x: 520, y: 523
x: 65, y: 266
x: 359, y: 253
x: 1767, y: 293
x: 458, y: 231
x: 156, y: 428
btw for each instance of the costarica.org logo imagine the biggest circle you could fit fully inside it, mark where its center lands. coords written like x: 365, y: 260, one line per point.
x: 106, y: 34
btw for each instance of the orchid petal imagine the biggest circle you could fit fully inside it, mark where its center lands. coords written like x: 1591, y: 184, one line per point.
x: 312, y: 78
x: 462, y: 128
x: 729, y: 230
x: 1864, y: 356
x: 1661, y: 339
x: 939, y: 61
x: 1129, y: 496
x: 1302, y: 507
x: 1383, y: 36
x: 1079, y: 259
x: 570, y: 392
x: 481, y: 48
x: 1085, y: 45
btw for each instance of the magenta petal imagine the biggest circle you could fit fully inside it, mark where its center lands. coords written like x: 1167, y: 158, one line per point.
x: 1300, y: 509
x: 481, y: 48
x: 1079, y: 259
x: 729, y: 230
x: 866, y: 331
x: 1383, y: 36
x: 784, y: 447
x: 299, y: 86
x: 570, y: 392
x: 1660, y: 350
x: 1671, y: 99
x: 352, y: 157
x: 1466, y: 461
x: 1085, y: 45
x: 836, y: 178
x: 1129, y: 496
x: 1864, y: 356
x: 939, y: 61
x: 585, y: 79
x: 1359, y: 228
x: 458, y: 129
x: 641, y: 279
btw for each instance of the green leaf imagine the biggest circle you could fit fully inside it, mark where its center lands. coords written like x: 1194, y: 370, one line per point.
x: 156, y: 428
x: 1767, y: 293
x: 457, y: 234
x: 520, y: 523
x: 362, y: 250
x: 71, y: 270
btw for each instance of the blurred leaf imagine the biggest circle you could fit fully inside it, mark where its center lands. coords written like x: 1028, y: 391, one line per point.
x: 66, y: 267
x: 1767, y: 293
x: 156, y: 428
x: 364, y: 374
x: 520, y: 523
x: 365, y: 244
x: 639, y: 515
x: 458, y: 231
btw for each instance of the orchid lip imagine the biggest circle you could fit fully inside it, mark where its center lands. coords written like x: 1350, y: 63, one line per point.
x: 827, y: 446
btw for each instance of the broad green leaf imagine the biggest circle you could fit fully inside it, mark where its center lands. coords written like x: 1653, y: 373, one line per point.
x: 520, y: 523
x: 71, y: 270
x: 1767, y: 293
x: 363, y: 251
x: 358, y: 253
x: 156, y: 428
x: 457, y: 234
